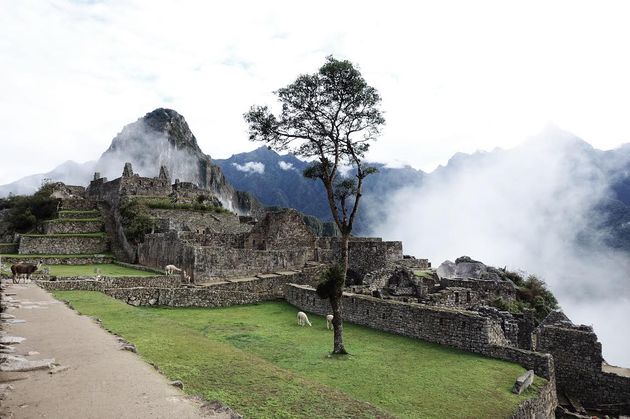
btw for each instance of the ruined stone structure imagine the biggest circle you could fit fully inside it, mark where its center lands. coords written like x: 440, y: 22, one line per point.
x: 581, y: 372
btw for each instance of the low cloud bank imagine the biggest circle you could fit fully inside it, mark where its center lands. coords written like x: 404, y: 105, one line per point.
x: 531, y: 209
x: 250, y: 167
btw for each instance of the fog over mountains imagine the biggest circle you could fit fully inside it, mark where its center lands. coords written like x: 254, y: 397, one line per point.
x: 554, y: 206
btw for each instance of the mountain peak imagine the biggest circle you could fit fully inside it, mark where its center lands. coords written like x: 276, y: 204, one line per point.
x: 155, y: 126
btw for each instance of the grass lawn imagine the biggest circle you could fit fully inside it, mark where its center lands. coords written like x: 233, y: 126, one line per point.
x: 107, y: 269
x: 56, y: 236
x: 257, y: 360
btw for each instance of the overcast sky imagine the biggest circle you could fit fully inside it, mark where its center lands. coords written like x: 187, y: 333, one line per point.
x: 454, y: 76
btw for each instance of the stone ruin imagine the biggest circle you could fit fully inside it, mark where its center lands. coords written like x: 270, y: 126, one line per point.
x: 244, y: 258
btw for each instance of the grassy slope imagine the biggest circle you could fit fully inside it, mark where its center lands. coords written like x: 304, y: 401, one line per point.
x: 107, y: 269
x: 256, y: 359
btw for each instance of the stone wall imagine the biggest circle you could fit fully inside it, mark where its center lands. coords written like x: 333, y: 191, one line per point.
x: 366, y: 254
x: 200, y: 221
x: 458, y: 328
x: 77, y: 204
x: 542, y: 406
x: 62, y: 245
x: 220, y: 240
x: 210, y: 263
x: 487, y: 290
x: 220, y: 294
x: 72, y: 227
x: 161, y: 249
x: 52, y: 260
x: 88, y: 283
x: 280, y: 230
x: 578, y: 359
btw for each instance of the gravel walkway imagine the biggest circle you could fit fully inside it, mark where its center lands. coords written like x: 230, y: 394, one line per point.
x: 100, y: 381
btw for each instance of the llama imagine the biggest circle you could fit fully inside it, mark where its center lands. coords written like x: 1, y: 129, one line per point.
x: 329, y: 319
x: 303, y: 319
x: 171, y: 269
x: 24, y: 270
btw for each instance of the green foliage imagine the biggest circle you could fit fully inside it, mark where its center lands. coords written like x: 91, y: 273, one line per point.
x: 136, y: 220
x: 257, y: 360
x: 332, y: 282
x: 532, y: 293
x: 27, y: 212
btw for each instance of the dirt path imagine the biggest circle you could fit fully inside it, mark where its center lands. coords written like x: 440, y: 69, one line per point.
x: 101, y: 381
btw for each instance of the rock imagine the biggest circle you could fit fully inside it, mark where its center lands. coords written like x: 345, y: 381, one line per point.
x: 129, y: 347
x: 4, y: 389
x: 58, y: 368
x: 14, y: 321
x: 32, y: 353
x: 446, y: 269
x: 216, y: 407
x: 5, y: 316
x: 10, y: 340
x: 20, y: 364
x: 6, y: 349
x: 523, y: 382
x: 177, y: 383
x: 377, y: 294
x: 152, y: 301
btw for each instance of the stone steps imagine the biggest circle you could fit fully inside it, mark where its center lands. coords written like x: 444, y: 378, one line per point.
x: 77, y: 205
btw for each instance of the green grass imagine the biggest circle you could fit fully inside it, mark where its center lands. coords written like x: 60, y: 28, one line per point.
x: 165, y: 203
x: 98, y: 234
x: 79, y: 212
x: 107, y: 269
x: 257, y: 360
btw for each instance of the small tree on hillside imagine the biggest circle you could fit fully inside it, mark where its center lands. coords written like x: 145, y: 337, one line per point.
x: 331, y: 116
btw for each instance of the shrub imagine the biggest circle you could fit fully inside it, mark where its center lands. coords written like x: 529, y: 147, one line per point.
x: 136, y: 220
x: 27, y: 213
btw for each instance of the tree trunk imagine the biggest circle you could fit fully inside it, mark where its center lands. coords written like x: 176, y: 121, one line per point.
x: 336, y: 299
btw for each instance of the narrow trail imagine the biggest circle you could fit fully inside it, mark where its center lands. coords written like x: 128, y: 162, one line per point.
x: 101, y: 380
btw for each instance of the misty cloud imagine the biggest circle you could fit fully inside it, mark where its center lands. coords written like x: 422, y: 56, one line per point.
x: 286, y: 166
x: 250, y: 167
x: 530, y: 208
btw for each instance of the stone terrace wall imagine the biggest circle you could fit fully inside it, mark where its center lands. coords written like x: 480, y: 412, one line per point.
x: 487, y: 290
x: 77, y: 205
x: 65, y: 227
x: 91, y: 260
x: 578, y: 358
x: 541, y: 407
x: 458, y: 328
x: 60, y: 245
x: 91, y: 284
x: 221, y: 294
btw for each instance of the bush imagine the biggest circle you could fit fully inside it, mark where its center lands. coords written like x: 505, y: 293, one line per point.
x: 330, y: 278
x: 136, y: 220
x: 532, y: 293
x: 27, y: 213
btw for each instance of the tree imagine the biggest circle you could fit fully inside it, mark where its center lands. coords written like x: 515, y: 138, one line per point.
x: 331, y: 117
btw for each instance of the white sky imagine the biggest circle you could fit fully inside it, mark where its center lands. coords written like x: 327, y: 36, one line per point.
x: 454, y: 76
